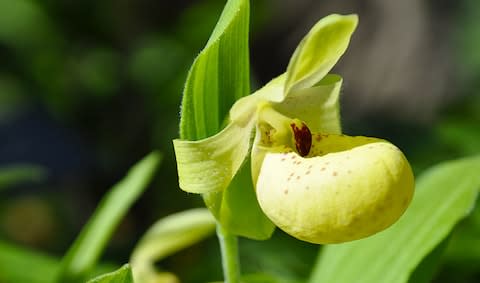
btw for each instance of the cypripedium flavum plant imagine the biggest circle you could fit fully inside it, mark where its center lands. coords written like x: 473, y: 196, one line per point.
x: 309, y: 179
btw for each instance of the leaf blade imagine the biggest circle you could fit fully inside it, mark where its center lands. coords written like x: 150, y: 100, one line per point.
x: 85, y: 251
x: 14, y: 260
x: 122, y: 275
x: 219, y: 75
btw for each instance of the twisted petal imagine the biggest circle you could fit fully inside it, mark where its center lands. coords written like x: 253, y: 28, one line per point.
x: 347, y: 188
x: 209, y: 165
x: 319, y: 51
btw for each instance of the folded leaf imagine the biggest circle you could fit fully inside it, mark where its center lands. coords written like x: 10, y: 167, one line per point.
x: 219, y: 75
x: 319, y: 51
x: 444, y: 195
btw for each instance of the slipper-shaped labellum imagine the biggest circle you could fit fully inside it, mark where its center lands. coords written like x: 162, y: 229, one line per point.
x: 334, y: 188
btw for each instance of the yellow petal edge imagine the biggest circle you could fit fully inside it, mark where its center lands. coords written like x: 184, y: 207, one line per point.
x: 345, y: 189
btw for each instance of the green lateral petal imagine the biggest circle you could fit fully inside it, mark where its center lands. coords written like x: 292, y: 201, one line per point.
x: 219, y: 75
x: 317, y: 106
x: 319, y: 51
x: 237, y: 208
x: 209, y: 165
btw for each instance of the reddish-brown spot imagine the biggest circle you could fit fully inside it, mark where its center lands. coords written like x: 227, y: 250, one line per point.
x: 303, y: 138
x: 308, y: 172
x: 349, y: 171
x: 334, y: 174
x: 298, y: 177
x: 283, y: 159
x: 323, y: 169
x: 291, y: 174
x: 285, y: 192
x: 318, y: 138
x: 293, y: 157
x: 310, y: 166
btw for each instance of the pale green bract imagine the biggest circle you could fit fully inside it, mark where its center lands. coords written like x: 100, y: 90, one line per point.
x: 296, y: 123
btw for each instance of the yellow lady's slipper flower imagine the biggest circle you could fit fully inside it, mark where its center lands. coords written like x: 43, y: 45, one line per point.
x: 334, y: 188
x: 310, y: 180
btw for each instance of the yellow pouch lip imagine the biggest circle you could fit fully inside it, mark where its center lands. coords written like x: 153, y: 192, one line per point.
x: 347, y: 188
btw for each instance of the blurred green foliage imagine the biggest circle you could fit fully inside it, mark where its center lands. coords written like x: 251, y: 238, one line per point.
x: 108, y: 76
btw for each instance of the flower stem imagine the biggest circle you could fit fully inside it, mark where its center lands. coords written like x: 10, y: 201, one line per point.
x: 230, y: 259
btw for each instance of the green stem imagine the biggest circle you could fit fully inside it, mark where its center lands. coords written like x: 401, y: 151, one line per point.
x: 230, y: 260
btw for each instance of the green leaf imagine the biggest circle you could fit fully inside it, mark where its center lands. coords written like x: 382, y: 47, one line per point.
x: 426, y: 269
x: 87, y: 248
x: 319, y: 51
x: 122, y: 275
x: 219, y: 75
x: 168, y: 236
x: 14, y: 261
x: 15, y: 174
x: 266, y: 278
x: 43, y: 268
x: 464, y: 247
x: 445, y: 194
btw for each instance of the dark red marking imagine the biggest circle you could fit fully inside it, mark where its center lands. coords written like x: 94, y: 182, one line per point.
x: 303, y: 139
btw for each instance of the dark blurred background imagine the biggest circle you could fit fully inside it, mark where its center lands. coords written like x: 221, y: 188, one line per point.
x: 87, y: 88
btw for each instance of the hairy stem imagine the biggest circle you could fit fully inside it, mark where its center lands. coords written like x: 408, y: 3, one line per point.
x: 230, y: 260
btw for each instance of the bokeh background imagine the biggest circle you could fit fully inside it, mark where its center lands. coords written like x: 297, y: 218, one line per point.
x: 89, y: 87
